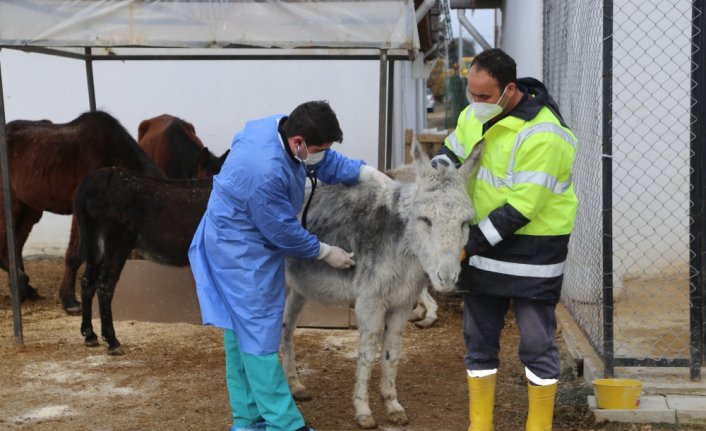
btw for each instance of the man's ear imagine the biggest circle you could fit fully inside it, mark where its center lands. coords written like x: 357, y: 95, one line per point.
x: 295, y: 141
x: 512, y: 89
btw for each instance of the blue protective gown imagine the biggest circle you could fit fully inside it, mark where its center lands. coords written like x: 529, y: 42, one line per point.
x: 237, y: 253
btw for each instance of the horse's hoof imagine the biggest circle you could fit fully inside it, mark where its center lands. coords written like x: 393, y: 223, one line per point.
x: 424, y: 324
x: 91, y: 342
x: 301, y: 394
x: 398, y: 418
x: 116, y: 351
x: 73, y: 310
x: 30, y: 294
x: 366, y: 422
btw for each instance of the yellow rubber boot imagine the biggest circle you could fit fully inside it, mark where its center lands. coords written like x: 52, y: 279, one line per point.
x: 481, y: 394
x: 541, y: 407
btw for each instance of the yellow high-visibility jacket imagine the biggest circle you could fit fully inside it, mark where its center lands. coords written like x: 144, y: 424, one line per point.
x: 523, y: 195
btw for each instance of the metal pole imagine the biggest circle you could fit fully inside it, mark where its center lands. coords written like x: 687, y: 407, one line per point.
x: 459, y: 46
x: 7, y: 202
x: 698, y: 171
x: 608, y: 348
x: 473, y: 31
x: 382, y: 119
x: 390, y: 104
x: 89, y: 79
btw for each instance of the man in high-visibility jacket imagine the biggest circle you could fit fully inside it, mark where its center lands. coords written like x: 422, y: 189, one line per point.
x: 525, y: 211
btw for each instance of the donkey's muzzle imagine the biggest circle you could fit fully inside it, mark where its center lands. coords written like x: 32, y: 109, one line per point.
x: 445, y: 281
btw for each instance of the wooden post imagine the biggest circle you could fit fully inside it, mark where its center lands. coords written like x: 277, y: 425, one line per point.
x: 431, y: 142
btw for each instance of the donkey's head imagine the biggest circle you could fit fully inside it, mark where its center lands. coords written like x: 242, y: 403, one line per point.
x: 439, y: 212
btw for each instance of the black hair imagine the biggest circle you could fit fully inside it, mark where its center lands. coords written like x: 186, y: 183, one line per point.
x: 498, y: 64
x: 315, y: 122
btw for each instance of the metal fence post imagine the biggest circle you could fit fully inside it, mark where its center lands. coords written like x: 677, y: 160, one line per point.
x: 697, y: 192
x: 7, y: 202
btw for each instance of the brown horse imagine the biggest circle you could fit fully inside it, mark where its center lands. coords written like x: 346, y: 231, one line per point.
x: 173, y: 145
x: 47, y: 162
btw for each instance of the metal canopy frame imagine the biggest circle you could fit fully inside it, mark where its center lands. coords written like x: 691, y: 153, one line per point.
x: 386, y: 58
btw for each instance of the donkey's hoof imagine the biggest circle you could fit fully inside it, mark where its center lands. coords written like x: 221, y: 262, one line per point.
x: 366, y: 422
x: 426, y: 323
x: 91, y: 341
x: 116, y: 351
x: 302, y: 394
x: 398, y: 418
x: 417, y: 314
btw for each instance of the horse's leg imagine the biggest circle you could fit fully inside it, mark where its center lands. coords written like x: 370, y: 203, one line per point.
x: 370, y: 321
x: 293, y: 306
x: 25, y: 290
x: 88, y: 290
x: 107, y: 279
x: 67, y: 287
x: 25, y: 219
x: 390, y: 359
x: 431, y: 307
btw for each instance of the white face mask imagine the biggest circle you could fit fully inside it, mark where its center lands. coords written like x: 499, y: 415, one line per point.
x: 311, y: 159
x: 485, y: 112
x: 315, y: 158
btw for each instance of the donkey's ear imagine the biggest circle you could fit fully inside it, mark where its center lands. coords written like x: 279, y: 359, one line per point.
x: 419, y: 157
x: 470, y: 167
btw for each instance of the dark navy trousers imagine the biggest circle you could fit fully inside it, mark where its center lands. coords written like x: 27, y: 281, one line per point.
x: 483, y: 321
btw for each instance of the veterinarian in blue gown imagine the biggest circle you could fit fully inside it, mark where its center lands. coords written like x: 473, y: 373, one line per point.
x: 525, y: 211
x: 237, y: 254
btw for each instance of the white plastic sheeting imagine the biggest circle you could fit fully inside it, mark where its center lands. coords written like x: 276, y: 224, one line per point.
x: 379, y: 24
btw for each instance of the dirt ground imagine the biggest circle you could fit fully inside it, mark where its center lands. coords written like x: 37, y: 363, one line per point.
x: 172, y: 375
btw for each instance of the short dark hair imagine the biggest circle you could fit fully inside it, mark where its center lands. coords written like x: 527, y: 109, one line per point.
x: 498, y: 64
x: 315, y: 122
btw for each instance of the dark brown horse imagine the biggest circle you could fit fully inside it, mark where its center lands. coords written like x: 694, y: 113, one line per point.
x: 118, y: 210
x: 173, y: 145
x: 47, y: 162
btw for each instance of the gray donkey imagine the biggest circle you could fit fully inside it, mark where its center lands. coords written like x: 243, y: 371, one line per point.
x: 403, y: 237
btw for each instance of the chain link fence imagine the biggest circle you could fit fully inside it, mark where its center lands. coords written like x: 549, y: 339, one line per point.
x: 572, y: 73
x: 635, y: 160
